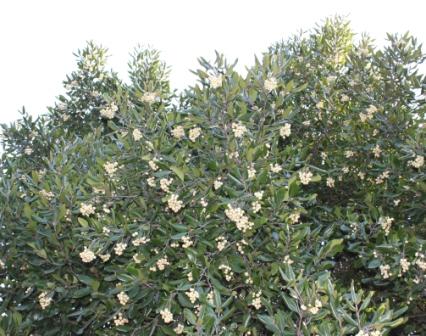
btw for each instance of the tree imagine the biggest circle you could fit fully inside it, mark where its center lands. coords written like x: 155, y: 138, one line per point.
x: 287, y: 202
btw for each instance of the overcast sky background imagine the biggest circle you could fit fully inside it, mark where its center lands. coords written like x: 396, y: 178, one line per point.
x: 38, y: 38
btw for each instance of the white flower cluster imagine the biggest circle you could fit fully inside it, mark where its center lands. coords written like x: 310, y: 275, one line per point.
x: 285, y: 130
x: 178, y: 132
x: 385, y: 271
x: 421, y: 260
x: 87, y: 255
x: 28, y: 150
x: 255, y: 206
x: 192, y: 295
x: 174, y: 203
x: 330, y: 182
x: 119, y: 320
x: 151, y: 181
x: 385, y: 223
x: 405, y: 265
x: 87, y: 209
x: 270, y: 84
x: 153, y: 165
x: 105, y: 257
x: 111, y: 168
x: 226, y: 271
x: 165, y: 184
x: 369, y: 333
x: 109, y: 111
x: 186, y: 242
x: 215, y: 81
x: 46, y: 194
x: 369, y: 112
x: 221, y: 243
x: 239, y: 218
x: 179, y: 329
x: 349, y: 154
x: 238, y: 129
x: 377, y: 151
x: 275, y: 168
x: 45, y: 300
x: 287, y: 260
x: 217, y: 183
x: 418, y: 162
x: 123, y: 298
x: 140, y: 241
x: 248, y: 280
x: 162, y: 263
x: 137, y: 135
x: 240, y: 246
x: 194, y: 133
x: 313, y: 309
x: 256, y: 300
x: 148, y: 97
x: 166, y: 315
x: 119, y: 248
x: 294, y: 217
x: 251, y: 172
x: 305, y: 176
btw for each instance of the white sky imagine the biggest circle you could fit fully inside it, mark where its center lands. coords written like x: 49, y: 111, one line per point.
x: 38, y: 37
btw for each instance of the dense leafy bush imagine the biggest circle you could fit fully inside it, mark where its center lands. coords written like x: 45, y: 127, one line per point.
x: 290, y: 201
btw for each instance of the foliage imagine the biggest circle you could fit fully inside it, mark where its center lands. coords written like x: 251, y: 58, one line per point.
x: 290, y: 201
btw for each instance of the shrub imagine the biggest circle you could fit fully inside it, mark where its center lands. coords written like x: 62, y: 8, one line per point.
x: 290, y: 201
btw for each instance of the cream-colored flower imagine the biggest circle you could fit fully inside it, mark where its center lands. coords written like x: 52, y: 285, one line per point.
x: 174, y: 203
x: 87, y: 209
x: 349, y: 154
x: 137, y: 135
x: 149, y: 97
x: 192, y: 295
x: 87, y: 255
x: 270, y: 84
x: 215, y: 81
x: 165, y: 184
x: 384, y: 270
x: 251, y: 172
x: 285, y: 131
x: 186, y: 242
x: 179, y: 329
x: 153, y: 165
x: 294, y: 217
x: 386, y: 223
x: 377, y: 151
x: 305, y: 176
x: 275, y: 168
x: 123, y: 298
x: 162, y: 263
x: 238, y: 129
x: 111, y: 168
x: 105, y: 257
x: 237, y: 216
x: 166, y: 315
x: 119, y: 248
x: 226, y: 271
x: 221, y: 243
x: 330, y: 182
x: 194, y: 133
x: 418, y: 162
x: 256, y: 301
x: 178, y: 132
x: 119, y: 320
x: 217, y: 183
x: 405, y: 265
x: 109, y: 111
x: 45, y: 300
